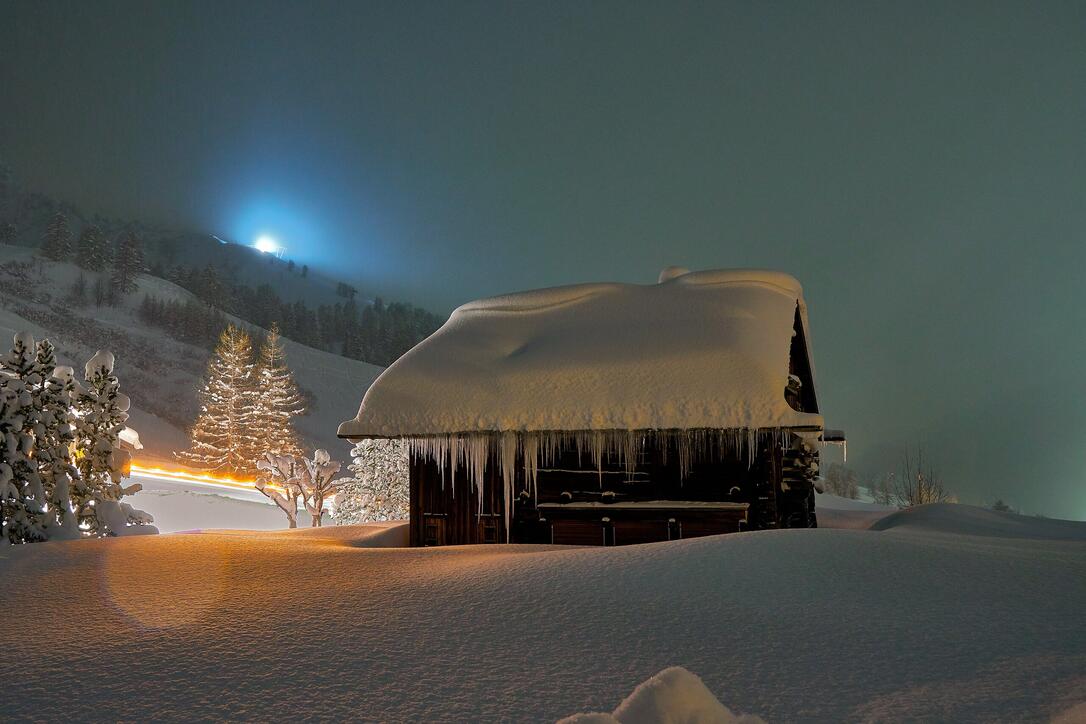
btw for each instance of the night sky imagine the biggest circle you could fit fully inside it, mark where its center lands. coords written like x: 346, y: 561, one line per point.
x: 920, y: 167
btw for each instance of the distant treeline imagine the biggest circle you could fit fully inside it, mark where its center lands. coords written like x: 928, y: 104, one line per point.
x: 370, y: 331
x: 373, y: 332
x: 189, y: 321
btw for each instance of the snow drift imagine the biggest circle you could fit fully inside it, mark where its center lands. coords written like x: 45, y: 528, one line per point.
x: 674, y: 696
x: 795, y: 625
x: 698, y: 350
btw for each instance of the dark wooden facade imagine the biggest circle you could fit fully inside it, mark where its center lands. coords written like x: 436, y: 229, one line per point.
x: 575, y: 503
x: 578, y: 505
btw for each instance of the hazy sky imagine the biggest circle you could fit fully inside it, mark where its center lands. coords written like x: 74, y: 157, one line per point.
x: 920, y: 167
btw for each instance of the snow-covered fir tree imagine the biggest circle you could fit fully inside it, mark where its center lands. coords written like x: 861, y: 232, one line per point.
x: 225, y: 437
x: 92, y: 249
x: 380, y: 487
x: 277, y: 401
x: 54, y: 434
x: 22, y: 495
x: 102, y: 410
x: 127, y: 264
x: 57, y: 242
x: 43, y: 414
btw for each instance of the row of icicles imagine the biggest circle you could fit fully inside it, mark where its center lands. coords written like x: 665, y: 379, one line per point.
x: 470, y: 451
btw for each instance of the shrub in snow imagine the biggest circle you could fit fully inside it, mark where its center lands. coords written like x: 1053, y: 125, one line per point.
x: 310, y: 481
x: 841, y: 481
x: 673, y: 696
x: 919, y: 483
x: 281, y: 471
x: 380, y: 487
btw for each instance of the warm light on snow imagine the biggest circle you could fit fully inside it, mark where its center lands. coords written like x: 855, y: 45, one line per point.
x: 267, y: 245
x: 225, y: 481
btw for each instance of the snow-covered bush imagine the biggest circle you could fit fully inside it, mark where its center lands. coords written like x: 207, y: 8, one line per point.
x: 281, y: 471
x: 380, y: 487
x: 298, y: 479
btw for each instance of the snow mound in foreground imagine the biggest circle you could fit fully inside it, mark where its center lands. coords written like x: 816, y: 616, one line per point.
x: 389, y: 534
x: 959, y: 519
x: 674, y: 696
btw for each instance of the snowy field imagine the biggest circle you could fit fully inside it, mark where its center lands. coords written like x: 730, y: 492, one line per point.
x: 180, y: 506
x: 946, y: 613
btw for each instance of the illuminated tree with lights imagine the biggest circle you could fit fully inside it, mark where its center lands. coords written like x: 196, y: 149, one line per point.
x: 277, y: 400
x: 379, y: 489
x: 225, y: 437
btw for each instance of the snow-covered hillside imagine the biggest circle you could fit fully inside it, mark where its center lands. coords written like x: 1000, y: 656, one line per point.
x: 159, y: 373
x: 948, y: 613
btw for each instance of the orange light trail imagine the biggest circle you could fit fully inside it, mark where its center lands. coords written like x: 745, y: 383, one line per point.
x: 186, y: 476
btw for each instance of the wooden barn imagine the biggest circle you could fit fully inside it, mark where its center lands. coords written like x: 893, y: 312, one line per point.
x: 609, y: 414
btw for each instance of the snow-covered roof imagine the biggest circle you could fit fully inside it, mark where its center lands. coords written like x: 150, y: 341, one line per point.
x: 706, y: 349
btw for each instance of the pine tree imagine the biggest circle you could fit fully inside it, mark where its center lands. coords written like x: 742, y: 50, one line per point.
x: 102, y: 410
x: 92, y: 249
x: 8, y: 232
x: 43, y: 414
x: 57, y: 243
x: 380, y: 487
x: 277, y: 400
x: 224, y: 436
x: 127, y: 264
x: 54, y: 434
x: 22, y: 496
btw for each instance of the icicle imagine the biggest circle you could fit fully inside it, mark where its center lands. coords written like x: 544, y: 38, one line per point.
x: 530, y: 445
x: 473, y: 451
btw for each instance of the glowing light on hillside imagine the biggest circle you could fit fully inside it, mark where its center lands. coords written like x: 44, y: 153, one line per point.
x: 267, y: 245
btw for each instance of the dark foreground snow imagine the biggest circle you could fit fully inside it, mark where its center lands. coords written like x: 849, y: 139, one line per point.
x: 919, y: 620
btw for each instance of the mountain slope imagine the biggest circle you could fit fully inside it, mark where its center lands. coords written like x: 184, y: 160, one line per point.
x: 159, y: 373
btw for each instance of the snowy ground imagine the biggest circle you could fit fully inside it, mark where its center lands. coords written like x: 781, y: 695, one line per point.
x: 947, y: 613
x: 178, y: 506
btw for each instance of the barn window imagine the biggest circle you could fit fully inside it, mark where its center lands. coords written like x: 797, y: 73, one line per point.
x: 489, y: 528
x: 433, y: 530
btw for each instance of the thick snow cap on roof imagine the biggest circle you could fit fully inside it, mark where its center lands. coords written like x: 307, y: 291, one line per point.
x: 706, y: 349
